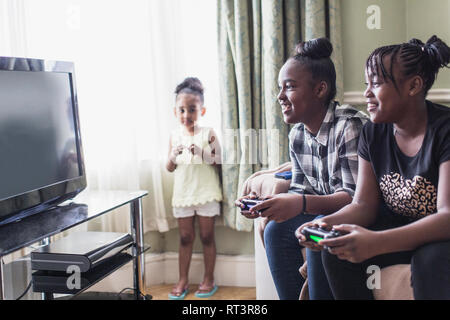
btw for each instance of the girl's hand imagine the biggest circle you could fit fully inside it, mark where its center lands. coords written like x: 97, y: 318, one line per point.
x: 196, y: 150
x: 356, y: 245
x: 246, y: 213
x: 176, y: 151
x: 311, y: 244
x: 280, y: 207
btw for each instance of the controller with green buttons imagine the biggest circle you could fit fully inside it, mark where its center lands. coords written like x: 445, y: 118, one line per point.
x: 316, y: 234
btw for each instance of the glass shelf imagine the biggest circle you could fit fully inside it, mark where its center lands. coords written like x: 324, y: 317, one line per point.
x: 48, y: 285
x: 17, y: 278
x: 84, y: 207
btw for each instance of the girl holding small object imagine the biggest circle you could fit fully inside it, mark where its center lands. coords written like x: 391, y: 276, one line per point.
x: 194, y: 157
x: 322, y: 144
x: 400, y: 213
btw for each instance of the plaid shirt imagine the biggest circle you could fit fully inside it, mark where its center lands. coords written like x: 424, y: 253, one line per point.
x: 328, y: 162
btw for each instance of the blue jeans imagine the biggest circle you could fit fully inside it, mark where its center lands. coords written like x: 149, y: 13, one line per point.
x: 284, y: 255
x: 318, y: 286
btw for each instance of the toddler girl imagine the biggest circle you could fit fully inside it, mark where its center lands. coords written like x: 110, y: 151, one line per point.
x: 194, y: 157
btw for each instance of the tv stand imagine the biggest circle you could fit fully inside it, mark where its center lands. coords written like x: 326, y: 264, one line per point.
x: 84, y: 207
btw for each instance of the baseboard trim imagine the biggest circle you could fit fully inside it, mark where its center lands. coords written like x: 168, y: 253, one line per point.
x: 435, y: 95
x: 162, y: 268
x: 230, y: 270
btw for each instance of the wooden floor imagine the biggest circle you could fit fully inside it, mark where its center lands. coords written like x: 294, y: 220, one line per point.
x: 160, y: 292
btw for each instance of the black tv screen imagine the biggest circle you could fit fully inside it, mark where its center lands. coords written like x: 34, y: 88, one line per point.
x: 41, y: 162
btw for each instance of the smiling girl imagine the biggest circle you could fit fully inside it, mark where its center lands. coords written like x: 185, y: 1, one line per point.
x: 323, y: 144
x: 400, y: 213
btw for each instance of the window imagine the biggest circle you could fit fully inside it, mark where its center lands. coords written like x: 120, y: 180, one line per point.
x: 129, y: 56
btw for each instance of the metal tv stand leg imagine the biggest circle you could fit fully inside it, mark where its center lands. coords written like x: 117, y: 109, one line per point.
x: 137, y: 231
x: 43, y: 242
x: 44, y: 295
x: 2, y: 288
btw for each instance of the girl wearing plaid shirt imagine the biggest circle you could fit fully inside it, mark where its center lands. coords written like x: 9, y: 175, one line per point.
x: 323, y: 150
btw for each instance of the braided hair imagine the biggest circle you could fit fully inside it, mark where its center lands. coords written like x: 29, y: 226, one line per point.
x: 413, y: 58
x: 191, y: 85
x: 315, y: 56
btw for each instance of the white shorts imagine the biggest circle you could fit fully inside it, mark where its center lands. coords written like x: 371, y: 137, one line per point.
x: 209, y: 209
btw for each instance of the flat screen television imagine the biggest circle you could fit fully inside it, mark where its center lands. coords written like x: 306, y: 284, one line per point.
x: 41, y: 156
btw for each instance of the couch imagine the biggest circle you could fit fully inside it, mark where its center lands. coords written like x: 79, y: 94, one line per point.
x: 395, y: 280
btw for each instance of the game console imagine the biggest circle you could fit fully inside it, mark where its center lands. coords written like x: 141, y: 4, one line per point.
x: 57, y: 281
x: 84, y: 250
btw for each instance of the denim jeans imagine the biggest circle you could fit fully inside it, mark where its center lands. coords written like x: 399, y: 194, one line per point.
x: 284, y: 255
x: 318, y: 286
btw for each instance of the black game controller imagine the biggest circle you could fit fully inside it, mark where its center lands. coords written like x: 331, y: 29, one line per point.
x: 250, y: 203
x: 316, y: 234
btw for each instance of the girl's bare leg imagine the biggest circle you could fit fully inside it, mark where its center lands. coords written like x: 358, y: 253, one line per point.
x: 187, y: 236
x: 207, y: 237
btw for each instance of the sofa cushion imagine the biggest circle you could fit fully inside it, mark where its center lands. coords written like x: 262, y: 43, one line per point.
x: 395, y: 283
x: 265, y: 185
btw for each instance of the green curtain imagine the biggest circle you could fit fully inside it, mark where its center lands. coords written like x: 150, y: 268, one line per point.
x: 255, y: 39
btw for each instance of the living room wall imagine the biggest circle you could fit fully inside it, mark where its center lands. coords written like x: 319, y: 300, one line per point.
x: 400, y: 21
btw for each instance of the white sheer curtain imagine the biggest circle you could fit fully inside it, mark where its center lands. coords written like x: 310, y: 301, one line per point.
x: 129, y: 56
x: 12, y: 27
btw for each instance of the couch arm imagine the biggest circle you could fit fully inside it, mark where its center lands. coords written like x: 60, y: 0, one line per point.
x: 265, y: 184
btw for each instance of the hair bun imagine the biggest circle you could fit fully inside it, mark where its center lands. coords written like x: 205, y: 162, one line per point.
x: 191, y: 83
x: 416, y: 42
x: 438, y: 52
x: 319, y: 48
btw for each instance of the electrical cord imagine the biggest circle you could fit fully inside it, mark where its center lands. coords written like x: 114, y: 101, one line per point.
x: 26, y: 290
x: 121, y: 291
x: 146, y: 296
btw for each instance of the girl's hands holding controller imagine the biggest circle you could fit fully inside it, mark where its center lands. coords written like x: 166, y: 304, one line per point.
x: 176, y: 151
x: 246, y: 213
x: 356, y: 245
x: 279, y: 207
x: 196, y: 150
x: 314, y: 246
